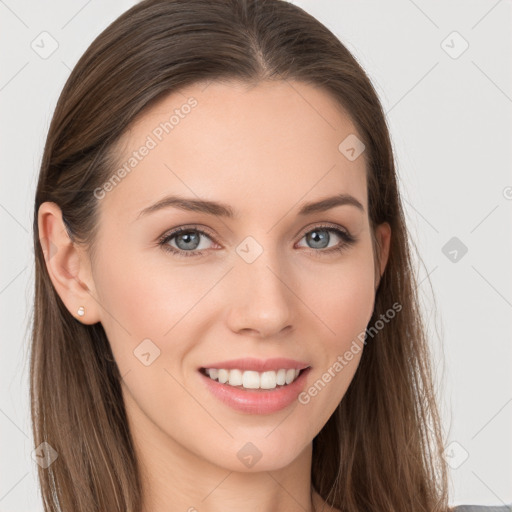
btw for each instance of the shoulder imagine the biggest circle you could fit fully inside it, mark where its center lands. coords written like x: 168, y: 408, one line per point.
x: 481, y: 508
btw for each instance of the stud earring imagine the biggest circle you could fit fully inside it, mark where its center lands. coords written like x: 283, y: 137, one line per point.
x: 81, y: 311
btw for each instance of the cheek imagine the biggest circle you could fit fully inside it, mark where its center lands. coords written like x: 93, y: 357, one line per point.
x: 342, y: 296
x: 148, y: 299
x: 342, y: 299
x: 156, y: 298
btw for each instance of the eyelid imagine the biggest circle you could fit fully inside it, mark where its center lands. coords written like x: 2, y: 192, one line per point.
x: 186, y: 227
x: 320, y: 225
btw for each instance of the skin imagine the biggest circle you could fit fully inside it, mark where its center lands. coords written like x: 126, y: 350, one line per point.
x: 264, y: 151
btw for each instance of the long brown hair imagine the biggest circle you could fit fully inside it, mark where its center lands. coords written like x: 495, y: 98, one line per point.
x: 382, y: 449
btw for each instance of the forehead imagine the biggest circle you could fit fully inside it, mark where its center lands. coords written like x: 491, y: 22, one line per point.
x: 260, y: 147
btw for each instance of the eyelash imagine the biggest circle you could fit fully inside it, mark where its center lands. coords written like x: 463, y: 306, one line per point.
x: 347, y: 240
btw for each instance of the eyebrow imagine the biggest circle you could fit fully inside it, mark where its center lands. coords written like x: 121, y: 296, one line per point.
x: 223, y: 210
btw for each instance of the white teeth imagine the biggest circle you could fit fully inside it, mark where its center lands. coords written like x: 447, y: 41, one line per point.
x: 253, y: 380
x: 281, y: 377
x: 290, y: 375
x: 268, y: 380
x: 235, y: 378
x: 223, y: 376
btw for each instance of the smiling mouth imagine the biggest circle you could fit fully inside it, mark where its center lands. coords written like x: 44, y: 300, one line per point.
x: 252, y: 380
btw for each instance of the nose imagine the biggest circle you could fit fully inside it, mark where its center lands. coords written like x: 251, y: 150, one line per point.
x: 262, y: 300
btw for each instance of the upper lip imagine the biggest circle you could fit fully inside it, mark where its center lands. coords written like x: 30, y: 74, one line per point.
x: 258, y: 365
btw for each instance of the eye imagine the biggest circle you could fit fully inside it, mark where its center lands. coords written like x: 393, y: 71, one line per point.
x: 186, y: 238
x: 319, y: 238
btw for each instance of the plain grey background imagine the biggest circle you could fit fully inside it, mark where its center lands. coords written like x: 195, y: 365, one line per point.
x: 442, y: 71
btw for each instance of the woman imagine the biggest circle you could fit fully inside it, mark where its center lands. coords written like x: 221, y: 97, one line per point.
x: 225, y: 312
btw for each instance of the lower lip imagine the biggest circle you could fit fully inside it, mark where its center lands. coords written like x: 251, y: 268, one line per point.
x: 257, y: 401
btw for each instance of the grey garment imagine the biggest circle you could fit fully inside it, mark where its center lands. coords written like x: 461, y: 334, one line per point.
x: 482, y: 508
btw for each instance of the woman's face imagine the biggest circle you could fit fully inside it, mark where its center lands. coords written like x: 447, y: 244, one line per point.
x: 266, y: 282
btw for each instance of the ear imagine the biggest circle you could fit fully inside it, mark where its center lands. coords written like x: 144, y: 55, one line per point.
x: 68, y: 265
x: 383, y: 239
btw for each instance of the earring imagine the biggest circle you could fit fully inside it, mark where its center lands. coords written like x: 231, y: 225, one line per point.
x: 81, y: 311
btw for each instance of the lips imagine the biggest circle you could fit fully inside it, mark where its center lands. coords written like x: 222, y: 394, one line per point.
x: 257, y: 401
x: 258, y: 365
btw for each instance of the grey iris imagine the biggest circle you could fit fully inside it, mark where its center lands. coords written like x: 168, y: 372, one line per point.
x: 315, y: 237
x: 192, y: 238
